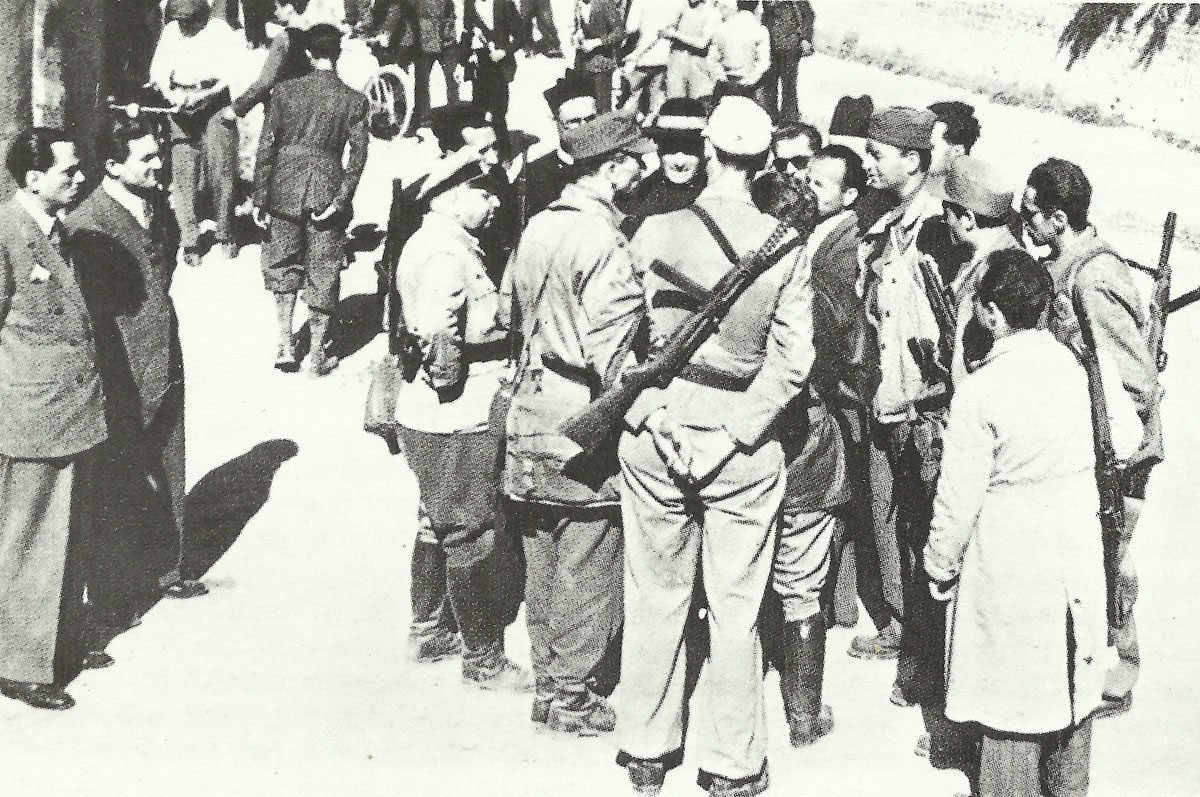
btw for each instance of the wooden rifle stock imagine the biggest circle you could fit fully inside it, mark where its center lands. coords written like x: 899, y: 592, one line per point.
x: 590, y: 426
x: 1160, y: 307
x: 1108, y: 467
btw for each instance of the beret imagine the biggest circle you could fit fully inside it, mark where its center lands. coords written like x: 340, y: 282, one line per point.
x: 906, y: 128
x: 606, y: 135
x: 851, y: 116
x: 977, y: 187
x: 739, y: 126
x: 185, y: 9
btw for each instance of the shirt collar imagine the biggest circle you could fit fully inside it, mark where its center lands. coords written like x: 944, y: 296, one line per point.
x: 580, y: 197
x: 137, y: 207
x: 44, y: 220
x: 923, y: 205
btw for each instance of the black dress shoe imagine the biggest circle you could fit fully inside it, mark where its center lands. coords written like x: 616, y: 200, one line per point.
x: 47, y: 696
x: 186, y: 588
x: 97, y: 660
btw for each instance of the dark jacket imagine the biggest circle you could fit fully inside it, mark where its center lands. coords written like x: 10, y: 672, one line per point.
x: 435, y: 25
x: 842, y: 383
x: 502, y: 31
x: 310, y: 121
x: 789, y: 22
x: 605, y: 20
x: 545, y: 179
x: 51, y: 398
x: 285, y: 60
x: 656, y: 194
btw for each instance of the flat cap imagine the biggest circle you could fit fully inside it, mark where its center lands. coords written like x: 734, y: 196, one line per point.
x: 906, y: 128
x: 976, y: 186
x: 739, y: 126
x: 606, y: 135
x: 185, y: 9
x: 851, y: 116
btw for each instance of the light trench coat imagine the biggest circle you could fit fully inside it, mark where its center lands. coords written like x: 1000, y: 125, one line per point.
x: 1015, y: 519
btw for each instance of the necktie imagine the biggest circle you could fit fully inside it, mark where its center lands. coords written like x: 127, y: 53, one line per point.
x: 56, y: 239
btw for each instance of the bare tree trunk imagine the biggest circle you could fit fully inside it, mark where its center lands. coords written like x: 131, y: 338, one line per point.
x: 16, y: 64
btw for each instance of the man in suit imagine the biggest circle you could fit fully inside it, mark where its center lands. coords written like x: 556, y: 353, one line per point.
x: 125, y: 262
x: 541, y: 12
x: 571, y: 104
x: 303, y: 192
x: 435, y: 44
x: 51, y: 417
x: 490, y: 35
x: 790, y: 25
x: 599, y: 32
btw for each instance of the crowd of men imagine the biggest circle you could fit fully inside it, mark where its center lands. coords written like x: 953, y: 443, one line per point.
x: 654, y: 385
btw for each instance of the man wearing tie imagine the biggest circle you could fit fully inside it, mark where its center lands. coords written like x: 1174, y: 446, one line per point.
x: 124, y: 250
x: 51, y: 416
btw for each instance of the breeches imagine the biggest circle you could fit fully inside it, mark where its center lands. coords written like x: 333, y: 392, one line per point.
x: 723, y: 532
x: 304, y: 255
x: 802, y: 561
x: 574, y: 565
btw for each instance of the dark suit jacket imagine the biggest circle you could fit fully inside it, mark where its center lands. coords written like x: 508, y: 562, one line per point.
x: 605, y: 21
x: 125, y: 274
x: 309, y: 122
x: 502, y: 30
x: 435, y: 25
x: 51, y: 399
x: 789, y: 22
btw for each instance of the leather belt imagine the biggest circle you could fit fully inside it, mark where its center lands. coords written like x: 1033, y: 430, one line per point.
x: 933, y: 403
x: 719, y: 380
x: 485, y: 352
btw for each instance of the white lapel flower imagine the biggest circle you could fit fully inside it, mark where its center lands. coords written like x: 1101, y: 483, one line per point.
x: 39, y: 274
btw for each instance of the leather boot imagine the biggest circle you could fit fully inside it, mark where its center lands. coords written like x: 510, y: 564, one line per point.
x: 801, y: 679
x: 319, y: 363
x: 473, y: 593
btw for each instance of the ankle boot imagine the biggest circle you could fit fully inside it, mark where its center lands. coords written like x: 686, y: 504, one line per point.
x: 801, y: 680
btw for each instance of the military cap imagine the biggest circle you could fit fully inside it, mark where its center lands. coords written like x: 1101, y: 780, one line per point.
x: 456, y: 116
x: 606, y: 135
x: 851, y: 116
x: 183, y: 10
x: 906, y: 128
x: 568, y: 87
x: 739, y: 126
x: 975, y: 186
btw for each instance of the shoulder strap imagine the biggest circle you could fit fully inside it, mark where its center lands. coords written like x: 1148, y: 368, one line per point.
x: 722, y: 240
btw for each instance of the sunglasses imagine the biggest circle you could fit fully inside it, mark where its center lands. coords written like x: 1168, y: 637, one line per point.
x: 799, y: 162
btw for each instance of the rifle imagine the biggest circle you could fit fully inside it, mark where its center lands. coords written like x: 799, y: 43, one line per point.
x: 942, y: 305
x: 1160, y: 307
x: 1108, y: 467
x: 590, y: 426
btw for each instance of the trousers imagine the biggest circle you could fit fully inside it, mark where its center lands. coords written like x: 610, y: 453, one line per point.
x: 203, y: 162
x: 802, y: 561
x: 574, y: 565
x: 1124, y: 674
x: 724, y: 532
x: 1056, y: 764
x: 780, y: 85
x: 422, y: 70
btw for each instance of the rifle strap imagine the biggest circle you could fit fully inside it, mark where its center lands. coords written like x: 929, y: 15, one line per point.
x: 722, y: 240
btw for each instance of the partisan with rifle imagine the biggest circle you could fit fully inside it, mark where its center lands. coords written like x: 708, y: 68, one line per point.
x: 589, y: 427
x: 1108, y: 467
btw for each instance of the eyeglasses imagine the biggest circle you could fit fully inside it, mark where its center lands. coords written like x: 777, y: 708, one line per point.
x: 799, y: 162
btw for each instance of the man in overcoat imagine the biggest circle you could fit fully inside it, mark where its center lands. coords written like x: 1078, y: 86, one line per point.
x: 790, y: 26
x: 126, y: 265
x: 51, y: 417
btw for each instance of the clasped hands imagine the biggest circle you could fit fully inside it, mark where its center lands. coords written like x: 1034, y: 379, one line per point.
x: 691, y: 454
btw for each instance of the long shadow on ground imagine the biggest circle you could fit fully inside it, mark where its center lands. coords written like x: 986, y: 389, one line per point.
x: 218, y: 508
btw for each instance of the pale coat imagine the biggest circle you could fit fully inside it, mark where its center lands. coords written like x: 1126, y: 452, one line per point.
x: 450, y: 304
x: 1015, y: 519
x: 589, y: 305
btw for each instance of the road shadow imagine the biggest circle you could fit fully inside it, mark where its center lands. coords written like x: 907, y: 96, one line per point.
x: 220, y: 505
